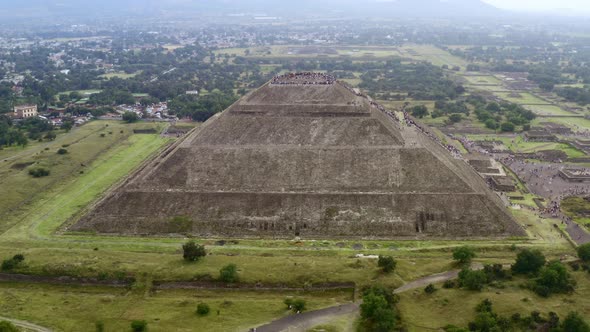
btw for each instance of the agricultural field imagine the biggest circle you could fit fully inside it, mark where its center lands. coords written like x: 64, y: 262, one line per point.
x: 121, y: 75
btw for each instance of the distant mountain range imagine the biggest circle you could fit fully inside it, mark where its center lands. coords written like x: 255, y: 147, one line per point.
x: 343, y: 8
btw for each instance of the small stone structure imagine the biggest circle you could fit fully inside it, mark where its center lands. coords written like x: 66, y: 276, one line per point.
x: 503, y: 183
x: 575, y: 175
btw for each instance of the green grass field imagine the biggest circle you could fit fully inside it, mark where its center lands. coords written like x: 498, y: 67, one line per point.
x: 483, y: 79
x: 454, y: 306
x: 79, y: 308
x: 547, y: 110
x: 521, y: 98
x: 122, y: 75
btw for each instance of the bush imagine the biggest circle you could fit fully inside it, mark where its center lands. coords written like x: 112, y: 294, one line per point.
x: 62, y: 151
x: 449, y: 284
x: 575, y: 323
x: 299, y: 305
x: 99, y: 326
x: 39, y: 172
x: 8, y: 264
x: 463, y: 255
x: 18, y: 258
x: 430, y: 289
x: 139, y: 326
x: 8, y: 327
x: 528, y: 262
x: 507, y: 127
x: 554, y: 278
x: 130, y: 117
x: 192, y: 252
x: 584, y: 252
x: 229, y: 273
x: 203, y: 309
x: 472, y: 280
x: 387, y: 263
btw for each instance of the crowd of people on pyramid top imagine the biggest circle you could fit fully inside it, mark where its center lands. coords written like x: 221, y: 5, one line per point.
x: 306, y: 78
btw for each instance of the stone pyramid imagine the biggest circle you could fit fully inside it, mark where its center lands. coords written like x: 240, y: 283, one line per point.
x: 305, y: 156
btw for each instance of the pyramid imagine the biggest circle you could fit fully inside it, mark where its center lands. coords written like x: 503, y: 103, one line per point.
x: 307, y: 156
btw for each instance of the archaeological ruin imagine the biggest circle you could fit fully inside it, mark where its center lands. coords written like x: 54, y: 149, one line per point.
x: 304, y: 155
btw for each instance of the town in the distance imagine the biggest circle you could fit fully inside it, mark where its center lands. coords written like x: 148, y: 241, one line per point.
x: 313, y: 166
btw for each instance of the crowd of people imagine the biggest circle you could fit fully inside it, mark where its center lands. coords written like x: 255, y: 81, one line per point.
x: 306, y: 78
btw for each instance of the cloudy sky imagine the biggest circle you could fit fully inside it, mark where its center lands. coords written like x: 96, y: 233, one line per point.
x: 537, y: 5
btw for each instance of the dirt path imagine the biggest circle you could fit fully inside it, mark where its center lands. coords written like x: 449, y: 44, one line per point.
x: 26, y: 326
x: 305, y: 321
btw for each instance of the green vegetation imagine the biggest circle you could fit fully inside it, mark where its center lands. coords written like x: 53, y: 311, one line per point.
x: 229, y: 273
x: 139, y: 326
x: 463, y: 255
x: 584, y: 252
x: 296, y: 305
x: 386, y: 263
x: 203, y: 309
x: 12, y: 263
x: 130, y: 117
x: 8, y: 327
x: 528, y: 262
x: 192, y: 252
x: 577, y: 208
x: 377, y: 310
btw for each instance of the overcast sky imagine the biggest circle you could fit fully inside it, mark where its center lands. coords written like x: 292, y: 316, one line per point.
x: 537, y: 5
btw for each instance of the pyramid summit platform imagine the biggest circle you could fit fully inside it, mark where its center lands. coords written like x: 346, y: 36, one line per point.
x: 305, y: 155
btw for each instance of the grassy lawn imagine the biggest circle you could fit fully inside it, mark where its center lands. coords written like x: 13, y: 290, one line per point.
x: 522, y: 98
x: 454, y: 306
x: 547, y: 110
x: 77, y: 309
x: 84, y: 145
x: 519, y: 145
x: 121, y: 74
x: 578, y: 209
x: 483, y: 79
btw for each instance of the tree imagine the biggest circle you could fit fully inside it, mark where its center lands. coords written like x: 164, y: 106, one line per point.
x: 554, y: 278
x: 130, y: 117
x: 463, y: 255
x: 528, y: 262
x: 67, y: 125
x: 473, y: 280
x: 387, y: 263
x: 39, y: 172
x: 507, y: 127
x: 584, y: 252
x: 229, y: 273
x: 203, y: 309
x: 139, y: 326
x: 455, y: 118
x: 419, y: 111
x: 376, y: 312
x: 62, y: 151
x: 99, y: 326
x: 8, y: 327
x: 575, y: 323
x: 50, y: 136
x: 192, y: 252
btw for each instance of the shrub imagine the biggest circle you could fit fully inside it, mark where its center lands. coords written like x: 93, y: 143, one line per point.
x: 203, y: 309
x: 130, y: 117
x: 139, y: 326
x: 298, y: 305
x: 449, y: 284
x: 62, y: 151
x: 430, y: 289
x: 528, y: 262
x: 463, y: 255
x: 8, y: 327
x: 8, y: 264
x: 473, y: 280
x: 18, y: 258
x: 377, y: 313
x: 229, y: 273
x: 387, y: 263
x: 39, y: 172
x: 575, y: 323
x: 192, y: 252
x: 553, y: 278
x: 99, y: 326
x: 584, y: 252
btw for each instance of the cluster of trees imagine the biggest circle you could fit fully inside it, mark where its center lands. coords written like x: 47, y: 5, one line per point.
x: 486, y: 320
x: 203, y: 107
x: 10, y: 135
x: 576, y: 95
x: 504, y: 116
x: 421, y: 81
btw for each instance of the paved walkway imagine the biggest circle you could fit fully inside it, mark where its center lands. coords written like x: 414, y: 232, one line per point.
x: 307, y: 320
x: 26, y: 326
